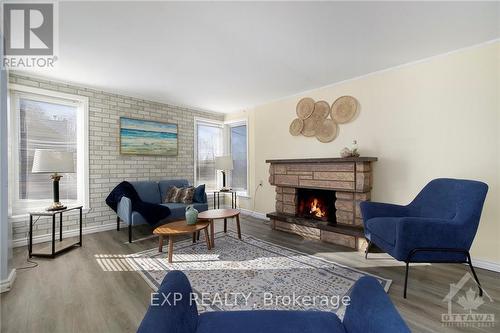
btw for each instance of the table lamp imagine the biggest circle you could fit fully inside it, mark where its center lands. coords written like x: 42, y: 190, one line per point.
x: 54, y: 162
x: 224, y: 163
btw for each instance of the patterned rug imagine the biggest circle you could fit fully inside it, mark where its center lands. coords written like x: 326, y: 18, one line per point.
x: 249, y: 274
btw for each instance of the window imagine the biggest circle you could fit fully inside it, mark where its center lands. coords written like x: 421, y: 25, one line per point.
x: 208, y: 136
x: 41, y: 119
x: 238, y: 149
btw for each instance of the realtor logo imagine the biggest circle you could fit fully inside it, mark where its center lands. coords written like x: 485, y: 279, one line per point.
x: 28, y: 28
x: 467, y: 297
x: 29, y: 31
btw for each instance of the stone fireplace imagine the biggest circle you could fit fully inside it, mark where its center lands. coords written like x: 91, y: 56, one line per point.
x: 319, y: 198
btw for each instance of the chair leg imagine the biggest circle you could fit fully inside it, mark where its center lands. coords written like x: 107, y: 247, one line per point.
x: 117, y: 223
x: 474, y: 274
x: 130, y: 233
x: 406, y: 278
x: 368, y: 249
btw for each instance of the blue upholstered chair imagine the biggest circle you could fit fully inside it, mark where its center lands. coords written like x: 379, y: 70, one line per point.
x: 370, y: 311
x: 438, y: 226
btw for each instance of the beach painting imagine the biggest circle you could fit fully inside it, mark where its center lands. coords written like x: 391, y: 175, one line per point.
x: 144, y: 137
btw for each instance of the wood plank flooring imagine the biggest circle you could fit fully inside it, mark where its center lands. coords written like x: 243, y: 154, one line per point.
x: 73, y: 294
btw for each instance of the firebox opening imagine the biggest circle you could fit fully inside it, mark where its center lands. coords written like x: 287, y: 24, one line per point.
x: 316, y: 204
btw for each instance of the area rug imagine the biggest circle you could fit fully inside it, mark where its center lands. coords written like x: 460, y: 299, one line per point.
x: 248, y: 274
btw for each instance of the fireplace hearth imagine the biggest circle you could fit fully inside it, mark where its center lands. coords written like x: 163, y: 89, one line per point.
x: 319, y: 198
x: 316, y: 204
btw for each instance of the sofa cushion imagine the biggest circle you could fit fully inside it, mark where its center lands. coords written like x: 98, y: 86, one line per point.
x: 384, y: 228
x: 178, y: 210
x: 165, y: 185
x: 148, y: 191
x: 269, y: 321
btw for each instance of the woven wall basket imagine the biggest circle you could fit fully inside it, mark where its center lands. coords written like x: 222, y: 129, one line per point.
x: 344, y: 109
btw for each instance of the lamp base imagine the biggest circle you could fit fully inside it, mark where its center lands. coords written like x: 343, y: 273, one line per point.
x: 224, y: 189
x: 56, y: 206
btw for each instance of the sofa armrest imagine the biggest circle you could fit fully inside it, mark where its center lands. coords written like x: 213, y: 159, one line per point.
x: 172, y: 309
x: 370, y: 209
x: 124, y: 210
x: 371, y: 310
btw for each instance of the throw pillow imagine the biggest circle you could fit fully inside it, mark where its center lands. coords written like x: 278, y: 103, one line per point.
x: 172, y: 194
x: 199, y: 194
x: 186, y: 195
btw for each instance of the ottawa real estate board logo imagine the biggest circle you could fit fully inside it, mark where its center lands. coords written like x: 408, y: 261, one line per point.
x: 465, y: 305
x: 29, y: 33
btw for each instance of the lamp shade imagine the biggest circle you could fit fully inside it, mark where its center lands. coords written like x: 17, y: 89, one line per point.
x: 49, y: 161
x: 224, y: 163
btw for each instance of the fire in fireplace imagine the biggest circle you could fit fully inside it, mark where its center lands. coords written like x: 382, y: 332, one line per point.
x: 316, y: 204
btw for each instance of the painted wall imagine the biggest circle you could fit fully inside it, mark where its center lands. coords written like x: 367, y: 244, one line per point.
x: 106, y: 166
x: 435, y: 118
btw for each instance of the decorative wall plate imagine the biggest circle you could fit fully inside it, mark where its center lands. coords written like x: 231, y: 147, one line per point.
x: 344, y: 109
x: 327, y: 131
x: 296, y: 126
x: 305, y: 108
x: 320, y: 113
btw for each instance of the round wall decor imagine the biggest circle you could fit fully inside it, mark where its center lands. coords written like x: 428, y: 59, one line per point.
x: 344, y: 109
x: 327, y: 131
x: 305, y: 108
x: 296, y: 126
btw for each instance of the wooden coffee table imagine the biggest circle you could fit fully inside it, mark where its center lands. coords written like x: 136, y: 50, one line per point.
x: 180, y: 228
x: 216, y: 214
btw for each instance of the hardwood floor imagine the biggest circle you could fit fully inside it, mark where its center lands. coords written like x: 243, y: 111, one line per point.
x: 73, y: 294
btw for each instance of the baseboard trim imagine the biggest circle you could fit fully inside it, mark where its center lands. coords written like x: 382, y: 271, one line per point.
x: 485, y: 264
x: 6, y: 285
x: 67, y: 233
x: 250, y: 213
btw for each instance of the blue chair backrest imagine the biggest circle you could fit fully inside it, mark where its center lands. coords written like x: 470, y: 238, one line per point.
x: 457, y: 199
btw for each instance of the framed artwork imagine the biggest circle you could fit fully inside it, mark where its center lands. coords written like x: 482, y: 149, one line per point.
x: 145, y: 137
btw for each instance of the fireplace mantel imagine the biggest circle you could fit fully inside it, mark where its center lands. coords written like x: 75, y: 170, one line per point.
x: 350, y: 178
x: 323, y: 160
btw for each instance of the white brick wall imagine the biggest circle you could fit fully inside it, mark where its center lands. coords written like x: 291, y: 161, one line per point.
x: 107, y: 166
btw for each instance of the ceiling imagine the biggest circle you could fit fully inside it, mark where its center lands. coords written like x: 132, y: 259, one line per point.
x: 229, y: 56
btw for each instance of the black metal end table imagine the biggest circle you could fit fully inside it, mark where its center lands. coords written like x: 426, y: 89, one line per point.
x: 55, y: 248
x: 217, y: 198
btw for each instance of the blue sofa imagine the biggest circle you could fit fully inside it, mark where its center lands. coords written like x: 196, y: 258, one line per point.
x: 438, y: 226
x: 370, y: 311
x: 154, y: 192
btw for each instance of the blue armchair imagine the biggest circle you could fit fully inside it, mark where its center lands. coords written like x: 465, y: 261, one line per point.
x: 155, y: 192
x: 438, y: 226
x: 370, y: 311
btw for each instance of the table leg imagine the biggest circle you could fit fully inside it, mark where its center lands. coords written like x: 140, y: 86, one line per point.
x: 53, y: 235
x: 170, y: 248
x: 225, y: 225
x: 60, y: 227
x: 160, y: 244
x: 207, y: 238
x: 81, y: 223
x: 194, y: 237
x: 212, y: 234
x: 30, y: 244
x: 238, y: 225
